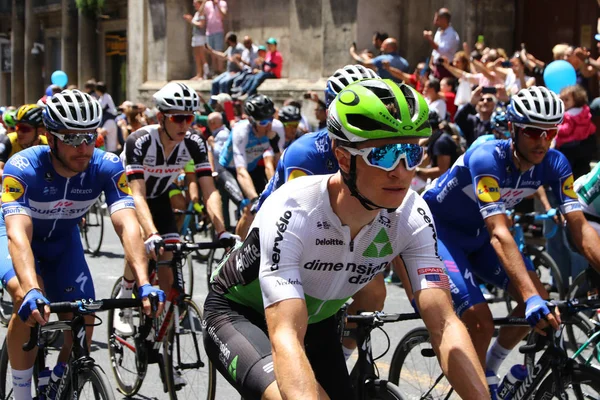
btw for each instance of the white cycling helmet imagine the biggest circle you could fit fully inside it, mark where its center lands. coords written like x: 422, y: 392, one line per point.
x: 536, y: 105
x: 175, y: 96
x: 345, y: 76
x: 73, y: 110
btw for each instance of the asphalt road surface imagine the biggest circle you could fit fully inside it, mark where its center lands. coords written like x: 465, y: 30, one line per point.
x: 108, y: 266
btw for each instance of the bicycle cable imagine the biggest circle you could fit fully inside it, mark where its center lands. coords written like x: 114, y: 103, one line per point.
x: 388, y: 344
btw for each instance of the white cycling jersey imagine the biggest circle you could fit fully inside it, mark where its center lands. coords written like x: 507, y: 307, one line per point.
x: 298, y: 248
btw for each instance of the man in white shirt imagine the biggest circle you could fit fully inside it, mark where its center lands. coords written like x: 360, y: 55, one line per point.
x: 445, y: 43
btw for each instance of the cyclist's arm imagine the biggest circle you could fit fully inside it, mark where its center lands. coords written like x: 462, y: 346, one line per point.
x: 269, y: 166
x: 287, y: 321
x: 192, y: 188
x: 138, y: 190
x: 19, y: 229
x: 585, y: 237
x: 126, y: 226
x: 212, y: 200
x: 452, y: 344
x: 246, y: 184
x: 211, y: 158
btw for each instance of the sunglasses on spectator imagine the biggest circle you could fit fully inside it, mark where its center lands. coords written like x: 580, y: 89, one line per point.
x: 264, y: 122
x: 293, y: 124
x: 77, y: 139
x: 536, y: 133
x: 388, y: 157
x: 24, y: 128
x: 180, y: 118
x: 490, y: 99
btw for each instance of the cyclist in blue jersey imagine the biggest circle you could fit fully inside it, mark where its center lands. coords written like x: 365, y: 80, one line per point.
x: 469, y: 202
x: 45, y: 192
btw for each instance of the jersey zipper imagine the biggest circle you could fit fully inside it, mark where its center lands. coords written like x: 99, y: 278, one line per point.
x: 56, y: 219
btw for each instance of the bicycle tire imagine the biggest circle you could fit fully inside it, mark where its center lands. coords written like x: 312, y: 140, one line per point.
x: 206, y: 233
x: 200, y: 382
x: 380, y: 389
x: 579, y: 288
x: 117, y: 351
x: 5, y: 374
x: 187, y: 269
x: 94, y: 222
x: 581, y: 375
x: 214, y: 258
x: 101, y: 388
x: 541, y: 258
x: 6, y: 306
x: 414, y: 382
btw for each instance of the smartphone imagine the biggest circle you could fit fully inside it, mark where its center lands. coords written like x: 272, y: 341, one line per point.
x: 306, y: 95
x: 506, y: 64
x: 488, y: 90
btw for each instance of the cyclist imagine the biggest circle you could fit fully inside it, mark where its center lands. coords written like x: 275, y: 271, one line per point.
x: 9, y: 119
x: 45, y: 192
x: 153, y: 156
x: 316, y: 241
x: 474, y: 236
x: 30, y: 132
x: 290, y: 117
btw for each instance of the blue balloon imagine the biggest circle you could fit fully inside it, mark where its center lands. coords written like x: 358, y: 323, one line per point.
x: 558, y: 75
x: 59, y: 78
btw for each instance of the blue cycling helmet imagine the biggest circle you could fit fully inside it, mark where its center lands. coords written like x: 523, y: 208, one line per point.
x: 535, y: 105
x: 345, y: 76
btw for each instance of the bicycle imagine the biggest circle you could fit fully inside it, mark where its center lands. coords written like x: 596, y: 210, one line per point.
x: 178, y: 331
x: 91, y: 226
x: 415, y: 368
x: 6, y: 306
x: 81, y: 368
x: 365, y: 376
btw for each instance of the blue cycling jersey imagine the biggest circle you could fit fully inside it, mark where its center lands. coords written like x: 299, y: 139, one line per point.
x: 309, y: 155
x: 31, y: 186
x: 484, y: 181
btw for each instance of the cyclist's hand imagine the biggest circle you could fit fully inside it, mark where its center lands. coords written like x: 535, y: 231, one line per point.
x: 553, y: 214
x: 29, y: 313
x: 146, y: 290
x: 154, y: 245
x: 228, y: 239
x: 536, y: 311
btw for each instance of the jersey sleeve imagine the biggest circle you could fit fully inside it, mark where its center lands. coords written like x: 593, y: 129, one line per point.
x: 239, y: 143
x: 116, y: 189
x: 487, y: 166
x: 197, y: 147
x: 17, y: 173
x: 281, y: 250
x: 421, y: 259
x: 5, y: 148
x: 560, y: 178
x: 136, y: 147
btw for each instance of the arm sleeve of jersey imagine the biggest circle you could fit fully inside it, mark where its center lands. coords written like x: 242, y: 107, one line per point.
x: 487, y: 169
x: 239, y: 143
x: 5, y: 148
x: 116, y: 189
x: 280, y: 254
x: 563, y: 187
x: 226, y: 152
x: 15, y: 199
x: 423, y: 264
x: 197, y: 149
x: 135, y: 148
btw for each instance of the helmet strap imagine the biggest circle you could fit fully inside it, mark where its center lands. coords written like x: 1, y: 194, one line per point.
x: 164, y: 126
x: 350, y: 181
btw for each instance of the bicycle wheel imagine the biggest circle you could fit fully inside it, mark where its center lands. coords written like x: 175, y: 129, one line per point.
x: 6, y: 388
x: 582, y: 383
x: 93, y: 384
x: 6, y: 306
x: 189, y: 372
x: 128, y: 357
x: 93, y: 228
x: 214, y: 258
x: 203, y: 232
x: 415, y: 368
x: 582, y: 284
x: 379, y: 389
x: 187, y: 269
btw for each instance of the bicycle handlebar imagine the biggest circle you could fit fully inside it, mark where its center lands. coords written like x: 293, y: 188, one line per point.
x: 369, y: 318
x: 183, y: 246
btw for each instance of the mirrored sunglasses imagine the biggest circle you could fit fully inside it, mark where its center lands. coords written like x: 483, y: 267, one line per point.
x: 388, y: 157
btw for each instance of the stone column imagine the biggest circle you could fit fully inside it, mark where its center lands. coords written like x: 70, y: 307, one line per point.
x: 137, y: 47
x: 69, y: 30
x: 87, y: 65
x: 33, y: 62
x: 17, y: 79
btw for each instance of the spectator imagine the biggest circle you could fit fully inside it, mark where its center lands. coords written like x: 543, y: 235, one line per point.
x: 417, y: 79
x: 108, y: 129
x: 445, y: 43
x: 473, y: 118
x: 250, y: 65
x: 271, y: 69
x: 584, y: 71
x: 106, y: 101
x: 389, y: 48
x: 576, y: 137
x: 559, y: 52
x: 442, y: 150
x: 214, y: 11
x: 129, y: 122
x: 233, y: 55
x: 90, y: 88
x: 198, y: 22
x: 447, y: 90
x: 321, y: 115
x: 515, y: 76
x: 436, y: 102
x: 223, y: 104
x: 250, y: 53
x: 378, y: 39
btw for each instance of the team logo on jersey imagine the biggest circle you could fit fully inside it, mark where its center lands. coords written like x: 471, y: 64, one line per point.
x: 123, y: 185
x: 488, y: 190
x: 297, y: 173
x: 12, y: 189
x: 567, y: 188
x: 379, y: 247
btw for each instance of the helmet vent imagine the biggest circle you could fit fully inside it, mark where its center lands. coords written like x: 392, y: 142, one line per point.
x: 365, y: 123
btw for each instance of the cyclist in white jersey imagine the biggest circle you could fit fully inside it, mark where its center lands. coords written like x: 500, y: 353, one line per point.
x: 318, y: 240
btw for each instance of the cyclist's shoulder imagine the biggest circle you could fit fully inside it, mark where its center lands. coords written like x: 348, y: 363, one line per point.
x: 145, y: 133
x: 303, y: 193
x: 30, y: 164
x: 491, y: 154
x: 103, y: 161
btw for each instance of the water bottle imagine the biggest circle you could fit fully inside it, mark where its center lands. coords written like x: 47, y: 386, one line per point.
x: 43, y: 380
x: 515, y: 376
x: 55, y: 378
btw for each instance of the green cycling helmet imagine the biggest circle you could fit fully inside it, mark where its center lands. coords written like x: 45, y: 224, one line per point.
x: 378, y: 109
x: 9, y: 118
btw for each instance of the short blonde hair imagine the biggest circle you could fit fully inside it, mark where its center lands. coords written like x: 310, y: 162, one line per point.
x: 558, y: 51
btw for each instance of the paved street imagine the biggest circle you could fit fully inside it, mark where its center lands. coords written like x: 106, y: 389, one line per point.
x: 108, y: 267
